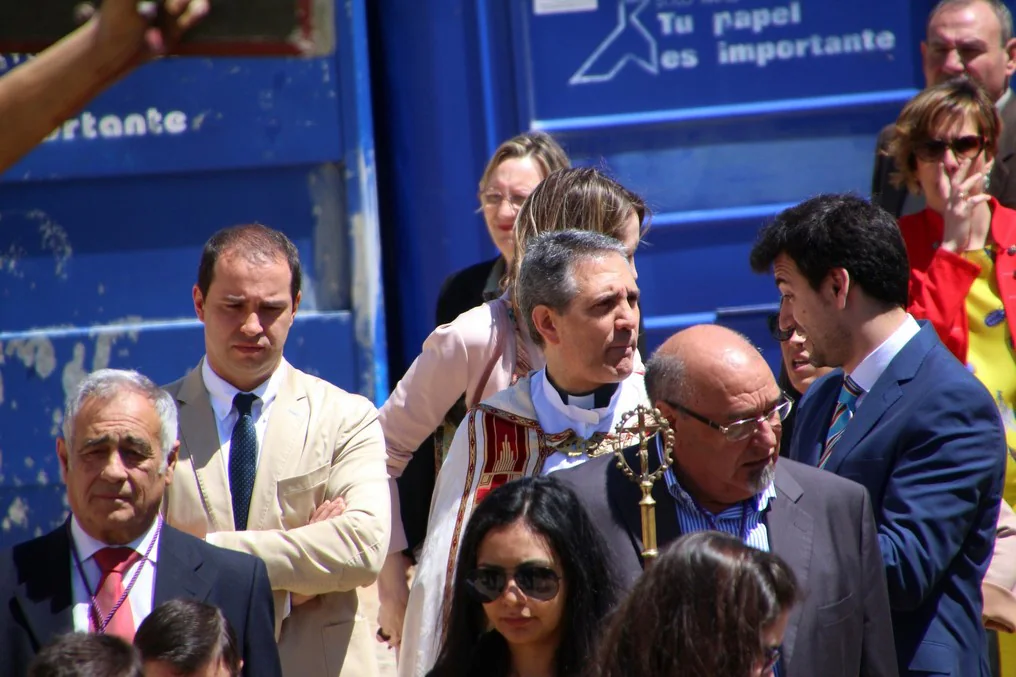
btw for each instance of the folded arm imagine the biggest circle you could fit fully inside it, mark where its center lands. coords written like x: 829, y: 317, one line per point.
x: 341, y: 552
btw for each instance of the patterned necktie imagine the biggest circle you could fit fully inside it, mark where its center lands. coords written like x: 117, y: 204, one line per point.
x: 846, y: 405
x: 113, y: 563
x: 243, y: 459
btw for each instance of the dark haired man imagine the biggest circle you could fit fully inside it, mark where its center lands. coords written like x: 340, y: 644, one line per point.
x: 965, y: 38
x: 79, y: 654
x: 184, y: 638
x: 269, y: 456
x: 903, y: 417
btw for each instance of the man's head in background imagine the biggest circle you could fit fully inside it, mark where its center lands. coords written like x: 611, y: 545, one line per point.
x: 184, y: 638
x: 972, y: 38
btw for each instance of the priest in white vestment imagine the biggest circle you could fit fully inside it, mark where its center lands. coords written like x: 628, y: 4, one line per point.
x: 576, y: 291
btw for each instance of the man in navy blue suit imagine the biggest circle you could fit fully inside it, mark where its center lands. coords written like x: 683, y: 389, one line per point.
x: 903, y: 417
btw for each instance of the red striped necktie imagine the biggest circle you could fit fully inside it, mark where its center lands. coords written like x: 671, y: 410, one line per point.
x: 111, y: 601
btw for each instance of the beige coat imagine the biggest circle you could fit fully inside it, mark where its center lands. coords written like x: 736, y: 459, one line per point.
x: 321, y: 443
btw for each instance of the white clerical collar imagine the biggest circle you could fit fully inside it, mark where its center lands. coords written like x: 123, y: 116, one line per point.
x: 222, y: 393
x: 87, y: 546
x: 555, y: 416
x: 872, y: 366
x: 1004, y: 99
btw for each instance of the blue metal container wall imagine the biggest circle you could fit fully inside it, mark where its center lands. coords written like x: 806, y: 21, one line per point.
x: 719, y: 112
x: 101, y: 229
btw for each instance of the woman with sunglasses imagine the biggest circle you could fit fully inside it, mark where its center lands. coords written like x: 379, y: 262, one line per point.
x: 710, y: 606
x: 796, y: 372
x: 962, y: 251
x: 531, y: 589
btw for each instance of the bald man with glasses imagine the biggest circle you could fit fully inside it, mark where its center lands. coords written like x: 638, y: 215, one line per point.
x: 720, y: 397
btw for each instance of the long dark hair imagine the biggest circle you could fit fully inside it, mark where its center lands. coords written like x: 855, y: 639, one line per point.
x: 698, y: 611
x: 553, y: 511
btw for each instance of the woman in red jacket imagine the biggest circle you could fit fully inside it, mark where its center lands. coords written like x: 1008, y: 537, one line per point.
x: 962, y: 246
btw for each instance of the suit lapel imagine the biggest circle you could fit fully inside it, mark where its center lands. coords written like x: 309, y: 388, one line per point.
x: 887, y: 390
x: 199, y: 441
x: 177, y: 573
x: 285, y: 435
x: 44, y: 590
x: 875, y: 405
x: 625, y: 496
x: 791, y: 532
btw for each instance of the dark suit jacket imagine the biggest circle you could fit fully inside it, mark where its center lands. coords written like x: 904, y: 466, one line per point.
x: 1001, y: 183
x: 928, y: 445
x: 35, y: 590
x: 819, y: 524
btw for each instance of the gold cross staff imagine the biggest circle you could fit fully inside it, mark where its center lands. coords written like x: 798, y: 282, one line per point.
x: 648, y: 423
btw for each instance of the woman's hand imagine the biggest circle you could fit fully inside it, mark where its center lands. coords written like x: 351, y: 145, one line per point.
x: 962, y: 195
x: 393, y: 594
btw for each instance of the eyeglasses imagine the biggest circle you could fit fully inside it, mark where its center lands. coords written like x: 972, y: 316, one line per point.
x: 771, y: 657
x: 746, y: 427
x: 487, y: 583
x: 494, y: 200
x: 778, y: 332
x: 965, y: 147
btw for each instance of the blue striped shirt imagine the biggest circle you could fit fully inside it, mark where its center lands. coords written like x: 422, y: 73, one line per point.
x: 735, y: 520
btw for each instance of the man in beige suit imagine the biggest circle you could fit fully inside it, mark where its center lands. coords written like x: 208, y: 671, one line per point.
x: 278, y: 463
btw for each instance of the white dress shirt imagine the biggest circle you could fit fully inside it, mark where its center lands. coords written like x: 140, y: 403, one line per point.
x: 555, y: 416
x: 221, y: 395
x: 141, y: 595
x: 872, y: 366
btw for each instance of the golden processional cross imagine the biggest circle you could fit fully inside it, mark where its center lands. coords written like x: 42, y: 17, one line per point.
x: 644, y: 423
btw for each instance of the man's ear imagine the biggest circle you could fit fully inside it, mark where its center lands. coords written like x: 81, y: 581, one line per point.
x: 199, y: 303
x: 61, y: 454
x: 296, y: 301
x: 545, y: 321
x: 171, y: 462
x: 667, y: 411
x: 1010, y: 57
x: 838, y: 281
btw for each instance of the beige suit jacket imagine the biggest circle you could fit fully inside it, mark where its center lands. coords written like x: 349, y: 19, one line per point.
x: 321, y: 443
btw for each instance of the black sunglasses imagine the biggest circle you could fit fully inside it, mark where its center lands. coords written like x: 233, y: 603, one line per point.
x: 487, y: 583
x: 778, y: 332
x: 932, y: 150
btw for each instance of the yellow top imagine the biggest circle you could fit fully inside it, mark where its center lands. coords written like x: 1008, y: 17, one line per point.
x: 991, y: 356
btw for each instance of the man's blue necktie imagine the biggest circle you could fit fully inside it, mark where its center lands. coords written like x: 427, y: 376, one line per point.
x: 243, y: 459
x: 846, y: 405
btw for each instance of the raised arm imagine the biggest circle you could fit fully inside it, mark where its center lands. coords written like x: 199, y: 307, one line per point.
x: 36, y: 97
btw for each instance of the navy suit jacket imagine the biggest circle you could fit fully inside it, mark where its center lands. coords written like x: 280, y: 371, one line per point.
x: 927, y: 442
x: 35, y: 590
